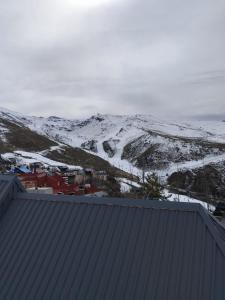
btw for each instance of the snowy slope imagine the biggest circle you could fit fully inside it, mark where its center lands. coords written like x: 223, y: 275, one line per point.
x: 182, y: 198
x: 108, y: 136
x: 25, y: 158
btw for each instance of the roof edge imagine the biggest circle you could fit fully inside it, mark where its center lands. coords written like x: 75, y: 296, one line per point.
x: 154, y: 204
x: 209, y: 222
x: 12, y: 187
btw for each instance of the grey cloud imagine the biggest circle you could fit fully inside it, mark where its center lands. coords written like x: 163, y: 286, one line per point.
x: 209, y: 117
x: 166, y: 57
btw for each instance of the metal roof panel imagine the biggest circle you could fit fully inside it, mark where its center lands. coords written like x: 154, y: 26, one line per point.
x: 56, y: 247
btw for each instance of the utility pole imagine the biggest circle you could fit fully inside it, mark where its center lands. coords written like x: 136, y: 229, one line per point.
x: 143, y: 175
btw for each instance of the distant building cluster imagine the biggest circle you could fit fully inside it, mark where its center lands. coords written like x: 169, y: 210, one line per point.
x: 37, y: 176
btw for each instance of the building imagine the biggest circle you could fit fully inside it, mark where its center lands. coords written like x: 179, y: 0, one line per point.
x: 61, y: 247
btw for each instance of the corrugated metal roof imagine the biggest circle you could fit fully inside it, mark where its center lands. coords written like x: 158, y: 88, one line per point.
x: 9, y: 186
x: 61, y: 248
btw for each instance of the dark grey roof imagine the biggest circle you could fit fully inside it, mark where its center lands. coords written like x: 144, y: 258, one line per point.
x: 9, y: 186
x: 62, y: 247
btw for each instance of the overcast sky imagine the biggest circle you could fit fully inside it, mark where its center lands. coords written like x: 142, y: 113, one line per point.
x: 74, y: 58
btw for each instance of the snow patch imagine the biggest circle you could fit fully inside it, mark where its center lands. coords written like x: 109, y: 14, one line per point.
x: 26, y: 158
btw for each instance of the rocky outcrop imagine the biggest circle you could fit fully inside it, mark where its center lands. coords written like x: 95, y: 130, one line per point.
x: 158, y: 151
x: 206, y: 182
x: 90, y: 145
x: 110, y: 147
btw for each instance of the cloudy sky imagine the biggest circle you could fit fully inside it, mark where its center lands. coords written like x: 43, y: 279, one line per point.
x: 77, y: 57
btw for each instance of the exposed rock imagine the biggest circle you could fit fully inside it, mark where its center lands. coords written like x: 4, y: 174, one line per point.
x: 90, y: 145
x: 206, y: 182
x: 157, y: 151
x: 110, y: 147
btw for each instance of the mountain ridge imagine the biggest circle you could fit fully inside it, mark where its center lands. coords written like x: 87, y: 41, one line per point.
x: 108, y: 136
x: 131, y: 143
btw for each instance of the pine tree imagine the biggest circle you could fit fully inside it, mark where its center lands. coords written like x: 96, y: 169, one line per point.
x: 152, y: 188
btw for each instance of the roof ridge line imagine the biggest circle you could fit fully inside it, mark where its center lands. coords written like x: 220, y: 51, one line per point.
x: 69, y: 201
x: 126, y: 202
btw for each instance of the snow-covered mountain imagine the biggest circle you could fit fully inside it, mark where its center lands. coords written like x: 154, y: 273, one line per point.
x: 132, y: 143
x: 129, y: 142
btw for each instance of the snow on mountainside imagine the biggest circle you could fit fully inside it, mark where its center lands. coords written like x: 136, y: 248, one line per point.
x: 129, y: 142
x: 188, y: 156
